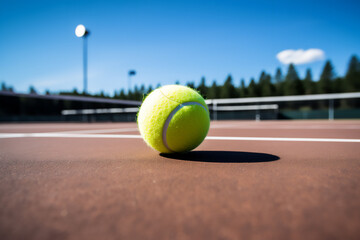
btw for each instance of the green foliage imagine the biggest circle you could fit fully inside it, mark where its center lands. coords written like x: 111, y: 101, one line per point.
x: 279, y: 82
x: 339, y: 85
x: 267, y: 85
x: 243, y: 91
x: 293, y: 85
x: 228, y: 90
x: 122, y: 94
x: 352, y: 77
x: 75, y: 92
x: 150, y: 89
x: 278, y: 76
x: 252, y: 88
x: 325, y: 84
x: 309, y: 84
x: 32, y: 90
x: 214, y: 91
x: 266, y: 88
x: 6, y: 88
x: 138, y: 95
x: 191, y: 85
x: 202, y: 88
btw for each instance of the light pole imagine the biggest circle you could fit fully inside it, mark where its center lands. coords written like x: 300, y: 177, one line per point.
x: 83, y: 33
x: 130, y: 74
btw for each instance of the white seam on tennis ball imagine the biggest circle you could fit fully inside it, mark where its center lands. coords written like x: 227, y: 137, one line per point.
x: 168, y: 120
x: 168, y: 97
x: 175, y: 100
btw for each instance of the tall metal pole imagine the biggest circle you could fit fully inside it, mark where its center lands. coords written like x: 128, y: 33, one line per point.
x: 85, y: 62
x: 129, y: 83
x: 82, y: 32
x: 130, y: 74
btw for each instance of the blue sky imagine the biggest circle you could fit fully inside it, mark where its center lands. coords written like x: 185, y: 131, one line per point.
x: 166, y: 41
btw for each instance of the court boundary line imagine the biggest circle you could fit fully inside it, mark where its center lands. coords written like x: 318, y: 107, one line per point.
x: 287, y: 127
x: 100, y: 130
x: 124, y: 136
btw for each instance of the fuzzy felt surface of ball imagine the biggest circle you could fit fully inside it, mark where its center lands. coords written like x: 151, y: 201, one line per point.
x: 173, y: 119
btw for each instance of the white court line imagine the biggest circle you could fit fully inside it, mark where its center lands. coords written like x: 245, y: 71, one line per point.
x: 286, y: 127
x: 63, y: 126
x: 65, y: 135
x: 285, y: 139
x: 102, y: 130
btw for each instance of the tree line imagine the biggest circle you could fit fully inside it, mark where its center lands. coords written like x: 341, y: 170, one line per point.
x: 267, y: 85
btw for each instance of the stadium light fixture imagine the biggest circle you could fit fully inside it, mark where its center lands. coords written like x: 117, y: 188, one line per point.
x: 82, y: 32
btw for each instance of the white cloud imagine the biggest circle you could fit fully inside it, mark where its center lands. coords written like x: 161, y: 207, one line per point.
x: 300, y: 56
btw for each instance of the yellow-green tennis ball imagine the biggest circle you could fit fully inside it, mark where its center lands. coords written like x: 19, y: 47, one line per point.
x: 173, y: 119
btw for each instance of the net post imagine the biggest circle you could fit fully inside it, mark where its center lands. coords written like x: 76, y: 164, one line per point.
x: 257, y: 114
x: 331, y: 109
x: 215, y: 110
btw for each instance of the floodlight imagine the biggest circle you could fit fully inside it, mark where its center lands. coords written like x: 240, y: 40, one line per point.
x: 80, y: 30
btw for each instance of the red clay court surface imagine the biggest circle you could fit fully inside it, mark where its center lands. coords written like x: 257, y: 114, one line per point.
x: 248, y: 180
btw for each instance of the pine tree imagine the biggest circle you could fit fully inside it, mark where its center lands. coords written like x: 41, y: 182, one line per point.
x: 252, y: 88
x: 122, y: 94
x: 278, y: 76
x: 150, y: 89
x: 339, y: 85
x: 130, y: 95
x: 6, y: 88
x: 326, y: 78
x: 75, y: 92
x: 116, y: 95
x: 190, y: 85
x: 293, y: 84
x: 309, y: 85
x: 352, y: 77
x: 102, y: 94
x: 279, y: 82
x: 32, y: 90
x: 228, y: 90
x: 142, y: 89
x: 266, y: 88
x: 137, y: 94
x: 202, y: 88
x: 213, y: 92
x: 243, y: 89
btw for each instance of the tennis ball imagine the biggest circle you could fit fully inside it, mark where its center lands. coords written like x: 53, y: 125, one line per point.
x: 173, y: 119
